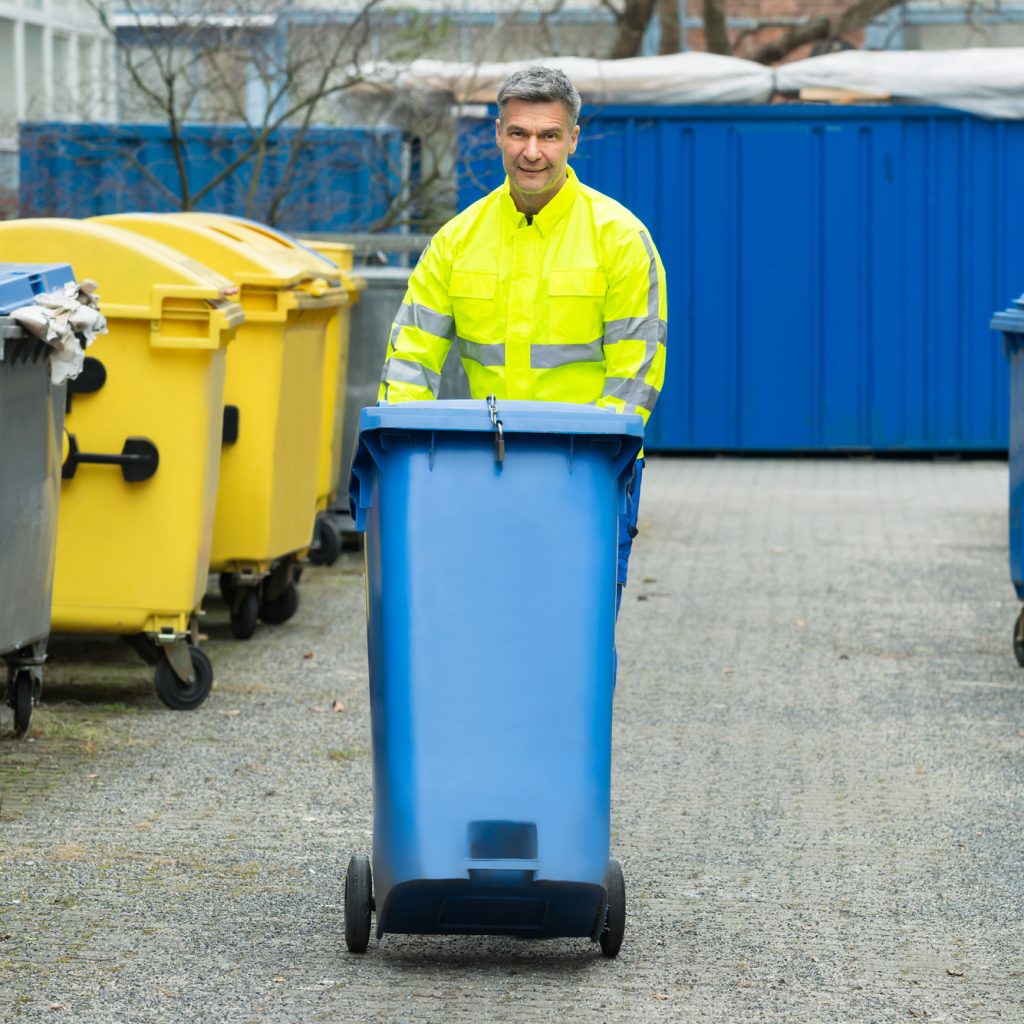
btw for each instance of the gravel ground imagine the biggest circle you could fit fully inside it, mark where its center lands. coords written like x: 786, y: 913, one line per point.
x: 817, y: 795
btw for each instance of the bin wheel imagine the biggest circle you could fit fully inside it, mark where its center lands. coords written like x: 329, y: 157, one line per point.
x: 21, y: 702
x: 327, y: 543
x: 1018, y: 638
x: 246, y: 615
x: 358, y: 903
x: 179, y: 695
x: 282, y: 607
x: 615, y: 922
x: 227, y: 584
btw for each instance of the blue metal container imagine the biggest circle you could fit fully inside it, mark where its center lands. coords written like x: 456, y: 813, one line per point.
x: 1011, y: 323
x: 831, y: 270
x: 342, y: 179
x: 491, y: 614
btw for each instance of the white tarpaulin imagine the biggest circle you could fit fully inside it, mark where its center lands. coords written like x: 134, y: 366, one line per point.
x: 986, y: 81
x: 678, y: 78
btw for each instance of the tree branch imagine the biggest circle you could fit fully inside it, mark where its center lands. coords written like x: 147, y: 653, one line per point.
x: 854, y: 17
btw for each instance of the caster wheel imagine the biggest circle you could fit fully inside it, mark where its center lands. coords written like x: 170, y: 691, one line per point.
x: 327, y: 543
x: 358, y: 903
x: 1018, y: 638
x: 178, y: 694
x: 21, y: 701
x: 228, y: 586
x: 246, y: 615
x: 615, y: 922
x: 282, y: 607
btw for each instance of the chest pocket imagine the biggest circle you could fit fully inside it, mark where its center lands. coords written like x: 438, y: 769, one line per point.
x: 472, y: 294
x: 576, y: 305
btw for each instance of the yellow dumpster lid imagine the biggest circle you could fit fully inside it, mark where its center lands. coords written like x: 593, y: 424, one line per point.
x: 270, y: 240
x: 229, y: 253
x: 132, y: 272
x: 339, y: 253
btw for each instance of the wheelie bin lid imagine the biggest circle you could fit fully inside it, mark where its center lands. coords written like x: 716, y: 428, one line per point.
x: 20, y: 283
x: 226, y: 252
x: 342, y: 256
x: 565, y: 419
x: 1010, y: 320
x: 134, y: 273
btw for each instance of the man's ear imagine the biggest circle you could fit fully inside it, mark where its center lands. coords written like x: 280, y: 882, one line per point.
x: 573, y: 139
x: 497, y: 132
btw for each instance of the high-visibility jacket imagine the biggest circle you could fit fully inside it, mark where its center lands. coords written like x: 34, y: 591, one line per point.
x: 568, y: 308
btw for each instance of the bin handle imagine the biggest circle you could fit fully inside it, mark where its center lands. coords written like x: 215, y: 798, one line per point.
x: 138, y: 460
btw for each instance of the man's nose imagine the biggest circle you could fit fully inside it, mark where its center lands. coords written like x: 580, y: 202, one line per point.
x: 532, y: 149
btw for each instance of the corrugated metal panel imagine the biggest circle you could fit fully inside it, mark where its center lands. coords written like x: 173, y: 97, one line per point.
x: 832, y: 271
x: 341, y: 180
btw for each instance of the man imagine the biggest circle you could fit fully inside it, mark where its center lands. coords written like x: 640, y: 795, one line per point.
x: 552, y: 291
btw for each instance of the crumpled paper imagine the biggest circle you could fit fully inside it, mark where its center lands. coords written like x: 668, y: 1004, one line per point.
x: 67, y: 319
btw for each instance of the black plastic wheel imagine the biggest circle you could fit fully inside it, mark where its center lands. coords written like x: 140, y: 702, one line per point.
x: 21, y: 701
x: 615, y: 922
x: 228, y: 585
x: 1018, y: 638
x: 178, y: 694
x: 282, y: 607
x: 358, y: 903
x: 245, y: 616
x: 327, y: 543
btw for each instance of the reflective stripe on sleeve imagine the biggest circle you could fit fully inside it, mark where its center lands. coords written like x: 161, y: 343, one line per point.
x: 412, y: 314
x: 405, y: 371
x: 549, y: 357
x: 653, y: 304
x: 633, y: 391
x: 485, y: 355
x: 635, y: 328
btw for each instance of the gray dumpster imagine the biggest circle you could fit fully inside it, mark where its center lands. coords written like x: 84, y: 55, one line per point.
x: 372, y: 316
x: 31, y: 445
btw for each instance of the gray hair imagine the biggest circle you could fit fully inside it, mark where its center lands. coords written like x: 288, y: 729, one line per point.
x: 539, y: 84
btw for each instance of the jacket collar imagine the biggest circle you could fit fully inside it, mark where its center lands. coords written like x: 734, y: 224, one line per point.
x: 554, y: 210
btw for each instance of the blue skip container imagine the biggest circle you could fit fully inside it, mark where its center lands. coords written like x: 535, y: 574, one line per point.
x: 491, y: 536
x: 1011, y: 323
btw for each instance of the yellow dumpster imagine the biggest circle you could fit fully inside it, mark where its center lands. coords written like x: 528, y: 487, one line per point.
x: 266, y: 502
x: 327, y: 545
x: 143, y: 434
x: 334, y: 262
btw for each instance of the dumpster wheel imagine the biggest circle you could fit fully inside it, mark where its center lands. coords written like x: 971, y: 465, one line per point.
x: 280, y: 609
x: 175, y: 692
x: 1018, y: 638
x: 21, y: 700
x: 326, y: 542
x: 615, y: 922
x: 245, y: 609
x: 358, y: 903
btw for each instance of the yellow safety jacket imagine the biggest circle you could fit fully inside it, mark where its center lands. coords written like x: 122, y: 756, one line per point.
x: 568, y: 308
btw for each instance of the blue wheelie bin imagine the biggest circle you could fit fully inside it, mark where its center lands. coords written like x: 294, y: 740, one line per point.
x: 490, y: 540
x: 1011, y: 322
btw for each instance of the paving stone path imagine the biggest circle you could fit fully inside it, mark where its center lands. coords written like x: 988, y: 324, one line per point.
x: 818, y: 793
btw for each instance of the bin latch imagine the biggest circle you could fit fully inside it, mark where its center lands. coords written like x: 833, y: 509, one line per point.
x: 499, y: 430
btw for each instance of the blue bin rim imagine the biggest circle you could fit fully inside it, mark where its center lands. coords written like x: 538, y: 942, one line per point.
x: 20, y: 283
x: 517, y: 417
x: 1010, y: 320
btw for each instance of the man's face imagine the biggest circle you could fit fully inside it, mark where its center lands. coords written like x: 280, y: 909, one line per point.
x: 535, y: 142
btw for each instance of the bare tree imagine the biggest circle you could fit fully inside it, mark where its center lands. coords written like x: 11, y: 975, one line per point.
x: 633, y: 16
x: 184, y: 62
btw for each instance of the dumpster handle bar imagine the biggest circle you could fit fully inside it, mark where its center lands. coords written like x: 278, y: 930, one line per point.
x: 138, y: 460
